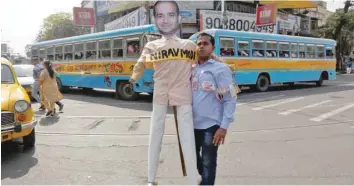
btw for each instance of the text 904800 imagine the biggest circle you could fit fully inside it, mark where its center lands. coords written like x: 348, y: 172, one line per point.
x: 235, y: 21
x: 239, y: 25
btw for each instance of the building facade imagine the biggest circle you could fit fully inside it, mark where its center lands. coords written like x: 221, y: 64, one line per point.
x: 198, y: 15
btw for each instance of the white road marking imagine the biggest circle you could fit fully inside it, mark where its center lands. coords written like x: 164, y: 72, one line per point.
x: 104, y: 117
x: 332, y: 113
x: 302, y: 108
x: 346, y: 84
x: 279, y: 103
x: 259, y: 100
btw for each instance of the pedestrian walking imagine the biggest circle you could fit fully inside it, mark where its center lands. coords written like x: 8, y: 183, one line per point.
x: 50, y: 94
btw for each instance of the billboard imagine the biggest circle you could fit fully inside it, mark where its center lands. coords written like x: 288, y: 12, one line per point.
x: 133, y: 19
x: 108, y: 7
x: 84, y: 16
x: 266, y: 15
x: 246, y: 22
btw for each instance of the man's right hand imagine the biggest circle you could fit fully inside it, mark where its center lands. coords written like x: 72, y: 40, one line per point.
x: 131, y: 80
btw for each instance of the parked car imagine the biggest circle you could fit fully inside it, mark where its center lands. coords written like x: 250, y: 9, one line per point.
x: 17, y: 116
x: 24, y: 74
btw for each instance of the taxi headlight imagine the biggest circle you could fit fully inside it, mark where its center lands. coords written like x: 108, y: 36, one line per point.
x: 21, y: 106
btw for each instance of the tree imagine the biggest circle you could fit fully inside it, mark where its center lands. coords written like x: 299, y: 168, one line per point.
x: 340, y: 27
x: 59, y: 25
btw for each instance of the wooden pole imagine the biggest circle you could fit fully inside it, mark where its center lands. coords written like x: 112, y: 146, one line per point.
x: 179, y: 143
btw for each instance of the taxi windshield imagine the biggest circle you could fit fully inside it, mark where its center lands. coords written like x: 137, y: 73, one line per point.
x: 24, y: 70
x: 6, y: 75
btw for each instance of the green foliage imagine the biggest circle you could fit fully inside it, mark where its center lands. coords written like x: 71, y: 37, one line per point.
x: 340, y: 27
x: 328, y: 30
x: 59, y: 25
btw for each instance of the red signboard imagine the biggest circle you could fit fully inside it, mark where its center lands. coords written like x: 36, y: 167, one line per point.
x: 266, y: 15
x: 84, y: 16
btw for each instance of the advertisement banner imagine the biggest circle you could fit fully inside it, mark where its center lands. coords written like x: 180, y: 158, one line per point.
x: 84, y: 16
x: 289, y: 22
x: 103, y: 7
x: 108, y: 7
x: 133, y: 19
x: 305, y: 25
x: 266, y: 15
x: 236, y: 21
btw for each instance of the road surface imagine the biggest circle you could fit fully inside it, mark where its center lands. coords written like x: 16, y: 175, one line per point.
x: 303, y: 135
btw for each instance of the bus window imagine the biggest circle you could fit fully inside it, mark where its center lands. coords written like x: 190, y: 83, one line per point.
x: 302, y: 52
x: 151, y: 37
x: 227, y: 47
x: 50, y: 53
x: 104, y: 48
x: 42, y: 53
x: 68, y: 52
x: 293, y: 50
x: 91, y: 52
x: 258, y: 48
x: 310, y: 51
x: 284, y: 50
x: 243, y: 49
x: 329, y: 53
x: 58, y: 53
x: 133, y: 47
x: 117, y: 48
x: 320, y: 51
x: 79, y: 51
x: 34, y: 52
x: 272, y: 49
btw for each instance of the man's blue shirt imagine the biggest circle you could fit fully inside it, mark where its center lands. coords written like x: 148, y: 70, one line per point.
x: 36, y: 70
x: 207, y: 109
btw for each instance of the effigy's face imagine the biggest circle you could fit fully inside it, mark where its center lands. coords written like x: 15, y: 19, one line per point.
x: 166, y: 18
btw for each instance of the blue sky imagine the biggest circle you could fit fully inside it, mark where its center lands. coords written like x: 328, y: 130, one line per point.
x: 21, y: 19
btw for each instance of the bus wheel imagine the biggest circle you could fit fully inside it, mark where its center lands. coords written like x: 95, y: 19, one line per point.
x: 320, y: 81
x: 263, y: 83
x: 291, y: 84
x: 124, y: 91
x: 62, y: 88
x: 324, y: 76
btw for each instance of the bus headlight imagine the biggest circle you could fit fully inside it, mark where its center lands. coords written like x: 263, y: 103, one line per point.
x: 21, y: 106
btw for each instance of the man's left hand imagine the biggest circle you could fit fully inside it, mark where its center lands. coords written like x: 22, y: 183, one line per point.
x: 219, y: 136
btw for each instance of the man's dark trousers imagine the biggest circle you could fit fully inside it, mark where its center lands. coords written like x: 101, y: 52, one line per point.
x: 206, y: 154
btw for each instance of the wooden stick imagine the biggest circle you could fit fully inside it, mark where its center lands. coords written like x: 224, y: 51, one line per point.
x: 179, y: 143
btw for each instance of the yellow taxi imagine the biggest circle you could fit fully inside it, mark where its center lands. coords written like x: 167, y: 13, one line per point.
x: 17, y: 116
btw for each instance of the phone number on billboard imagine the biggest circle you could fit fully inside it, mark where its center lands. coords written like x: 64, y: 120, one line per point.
x: 239, y: 25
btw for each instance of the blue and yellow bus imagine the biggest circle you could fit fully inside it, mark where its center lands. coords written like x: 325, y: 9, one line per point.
x: 261, y: 59
x: 102, y: 60
x: 105, y: 60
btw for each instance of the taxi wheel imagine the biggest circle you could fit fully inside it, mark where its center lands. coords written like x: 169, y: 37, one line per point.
x: 29, y: 140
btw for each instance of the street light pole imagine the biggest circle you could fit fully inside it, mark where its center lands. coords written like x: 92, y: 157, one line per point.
x: 148, y: 15
x: 95, y: 16
x: 224, y: 17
